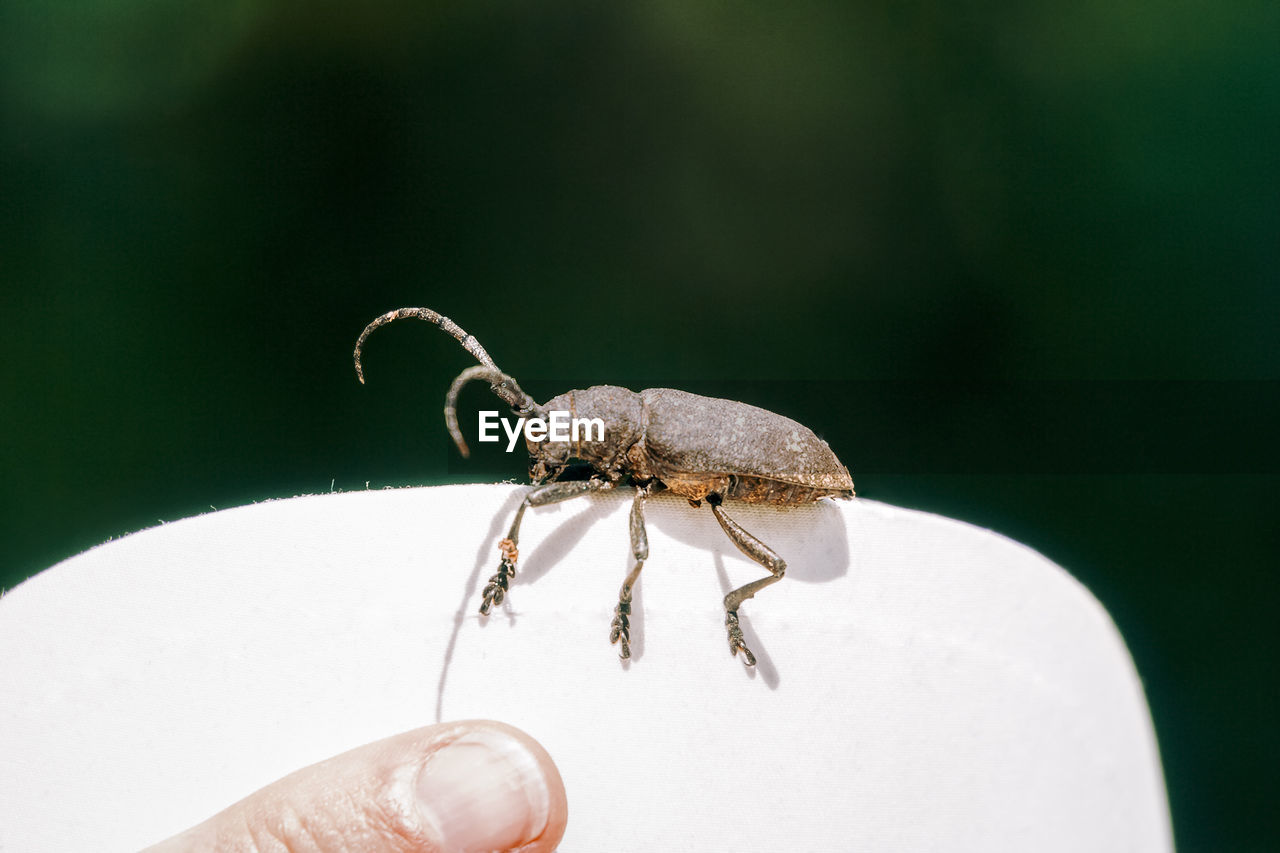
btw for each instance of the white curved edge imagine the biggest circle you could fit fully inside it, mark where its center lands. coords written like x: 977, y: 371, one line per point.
x: 923, y: 684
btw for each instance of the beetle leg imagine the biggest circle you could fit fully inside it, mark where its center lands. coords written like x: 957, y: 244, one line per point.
x: 621, y: 628
x: 551, y: 493
x: 762, y: 554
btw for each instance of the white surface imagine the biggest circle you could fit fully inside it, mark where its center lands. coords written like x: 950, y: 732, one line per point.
x: 923, y: 684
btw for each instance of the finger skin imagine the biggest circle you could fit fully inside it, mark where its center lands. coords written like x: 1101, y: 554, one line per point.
x: 363, y: 801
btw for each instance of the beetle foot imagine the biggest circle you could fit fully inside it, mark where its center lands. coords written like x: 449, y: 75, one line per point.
x: 496, y: 590
x: 621, y: 629
x: 736, y: 642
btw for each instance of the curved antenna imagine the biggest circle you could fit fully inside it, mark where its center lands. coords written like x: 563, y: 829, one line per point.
x: 503, y: 385
x: 469, y: 343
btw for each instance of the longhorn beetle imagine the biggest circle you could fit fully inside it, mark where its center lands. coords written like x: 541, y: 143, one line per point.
x: 700, y: 448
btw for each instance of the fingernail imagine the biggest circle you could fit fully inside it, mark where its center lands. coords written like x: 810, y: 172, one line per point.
x: 484, y: 791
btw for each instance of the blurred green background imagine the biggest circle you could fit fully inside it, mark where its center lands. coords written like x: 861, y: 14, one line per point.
x: 1016, y: 262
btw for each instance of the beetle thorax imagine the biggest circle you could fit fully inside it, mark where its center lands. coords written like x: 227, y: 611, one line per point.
x: 607, y: 409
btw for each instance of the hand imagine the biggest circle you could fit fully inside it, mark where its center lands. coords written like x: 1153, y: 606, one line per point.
x: 468, y: 786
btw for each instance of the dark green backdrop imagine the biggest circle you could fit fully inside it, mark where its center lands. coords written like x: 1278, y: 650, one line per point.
x: 1015, y: 261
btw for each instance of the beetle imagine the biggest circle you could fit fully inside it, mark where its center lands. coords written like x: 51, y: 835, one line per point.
x: 701, y: 448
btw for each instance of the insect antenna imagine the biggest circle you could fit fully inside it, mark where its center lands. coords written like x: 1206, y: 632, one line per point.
x: 469, y: 343
x: 503, y: 385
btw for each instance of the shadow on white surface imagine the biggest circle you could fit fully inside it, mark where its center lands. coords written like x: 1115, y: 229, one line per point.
x: 922, y: 684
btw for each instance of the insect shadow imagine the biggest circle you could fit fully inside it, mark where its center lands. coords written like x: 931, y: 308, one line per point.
x: 813, y: 539
x: 465, y: 610
x: 548, y: 553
